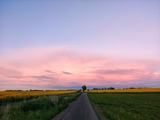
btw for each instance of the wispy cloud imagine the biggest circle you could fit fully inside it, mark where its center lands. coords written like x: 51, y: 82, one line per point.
x: 42, y: 77
x: 68, y: 73
x: 55, y: 68
x: 116, y: 71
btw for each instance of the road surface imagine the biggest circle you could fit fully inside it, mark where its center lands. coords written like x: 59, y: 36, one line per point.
x: 80, y: 109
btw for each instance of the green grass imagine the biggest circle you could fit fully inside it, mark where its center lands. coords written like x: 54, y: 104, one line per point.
x: 41, y: 108
x: 127, y: 106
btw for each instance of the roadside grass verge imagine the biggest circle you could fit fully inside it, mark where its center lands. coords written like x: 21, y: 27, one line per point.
x: 98, y: 111
x: 126, y: 106
x: 40, y: 108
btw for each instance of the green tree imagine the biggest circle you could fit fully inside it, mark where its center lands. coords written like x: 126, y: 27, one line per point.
x: 84, y: 88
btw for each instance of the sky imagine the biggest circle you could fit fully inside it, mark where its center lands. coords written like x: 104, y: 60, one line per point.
x: 47, y: 44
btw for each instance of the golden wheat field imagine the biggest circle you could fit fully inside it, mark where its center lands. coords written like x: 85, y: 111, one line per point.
x: 129, y: 90
x: 4, y: 95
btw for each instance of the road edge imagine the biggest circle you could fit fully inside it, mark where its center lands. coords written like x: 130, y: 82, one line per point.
x: 61, y: 114
x: 97, y: 110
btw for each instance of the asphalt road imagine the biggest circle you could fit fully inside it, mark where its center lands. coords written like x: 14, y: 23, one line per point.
x: 80, y: 109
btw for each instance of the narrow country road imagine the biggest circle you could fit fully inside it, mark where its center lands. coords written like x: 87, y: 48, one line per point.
x: 80, y: 109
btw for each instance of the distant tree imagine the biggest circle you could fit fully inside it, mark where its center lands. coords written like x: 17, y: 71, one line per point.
x: 131, y: 88
x: 84, y: 88
x: 79, y: 90
x: 111, y: 88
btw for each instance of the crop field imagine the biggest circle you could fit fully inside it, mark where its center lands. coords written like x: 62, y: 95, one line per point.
x: 34, y: 105
x: 128, y: 90
x: 126, y: 106
x: 10, y: 96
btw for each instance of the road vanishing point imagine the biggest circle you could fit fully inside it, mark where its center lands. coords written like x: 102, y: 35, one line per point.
x: 80, y: 109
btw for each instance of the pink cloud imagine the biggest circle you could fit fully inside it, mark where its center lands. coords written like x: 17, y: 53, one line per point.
x: 46, y: 68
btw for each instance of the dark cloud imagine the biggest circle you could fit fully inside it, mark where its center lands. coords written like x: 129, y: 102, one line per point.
x: 39, y: 77
x: 18, y: 76
x: 68, y: 73
x: 75, y: 83
x: 116, y: 71
x: 48, y: 71
x: 43, y: 77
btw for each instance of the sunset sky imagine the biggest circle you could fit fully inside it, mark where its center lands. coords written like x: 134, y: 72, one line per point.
x: 51, y: 44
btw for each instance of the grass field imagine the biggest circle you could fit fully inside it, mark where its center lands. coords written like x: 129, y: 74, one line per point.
x: 34, y: 105
x: 126, y: 106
